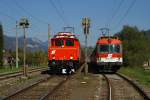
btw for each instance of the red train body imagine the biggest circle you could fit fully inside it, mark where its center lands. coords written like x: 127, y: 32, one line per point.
x: 108, y: 54
x: 64, y: 53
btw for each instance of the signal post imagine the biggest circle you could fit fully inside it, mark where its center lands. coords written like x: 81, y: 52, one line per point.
x: 24, y: 23
x: 86, y: 26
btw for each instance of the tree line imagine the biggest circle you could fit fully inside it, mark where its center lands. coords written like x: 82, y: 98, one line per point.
x: 136, y: 45
x: 36, y: 58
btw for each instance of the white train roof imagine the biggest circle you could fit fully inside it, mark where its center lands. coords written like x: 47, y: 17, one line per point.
x: 64, y: 35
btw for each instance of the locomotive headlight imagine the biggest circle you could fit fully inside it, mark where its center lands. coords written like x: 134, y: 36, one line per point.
x: 98, y: 59
x: 71, y: 57
x: 53, y: 56
x: 121, y: 60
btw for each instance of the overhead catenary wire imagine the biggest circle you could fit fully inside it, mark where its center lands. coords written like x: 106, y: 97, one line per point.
x: 60, y: 6
x: 125, y: 14
x: 114, y: 14
x: 8, y: 6
x: 59, y: 13
x: 10, y: 17
x: 14, y: 20
x: 33, y: 27
x: 27, y: 12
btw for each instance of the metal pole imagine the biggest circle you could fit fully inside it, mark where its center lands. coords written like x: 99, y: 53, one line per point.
x: 16, y: 46
x: 86, y: 65
x: 49, y: 36
x: 24, y: 54
x: 86, y: 25
x: 24, y: 24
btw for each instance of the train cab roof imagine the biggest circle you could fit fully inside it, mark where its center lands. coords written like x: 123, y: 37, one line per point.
x: 109, y: 40
x: 65, y: 35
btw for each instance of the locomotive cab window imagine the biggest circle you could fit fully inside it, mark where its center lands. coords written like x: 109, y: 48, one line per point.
x: 103, y: 48
x: 115, y: 48
x: 69, y: 42
x: 59, y: 42
x: 112, y: 48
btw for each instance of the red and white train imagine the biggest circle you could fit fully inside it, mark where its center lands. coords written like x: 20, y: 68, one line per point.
x: 64, y: 53
x: 107, y: 55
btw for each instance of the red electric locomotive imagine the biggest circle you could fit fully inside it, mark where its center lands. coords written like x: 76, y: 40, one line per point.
x: 108, y: 54
x: 64, y: 53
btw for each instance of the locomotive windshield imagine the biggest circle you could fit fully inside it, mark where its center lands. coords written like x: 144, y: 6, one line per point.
x: 59, y: 42
x: 115, y: 48
x: 112, y: 48
x: 103, y: 48
x: 69, y: 43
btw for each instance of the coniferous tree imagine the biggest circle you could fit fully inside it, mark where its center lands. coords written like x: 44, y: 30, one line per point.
x: 1, y: 45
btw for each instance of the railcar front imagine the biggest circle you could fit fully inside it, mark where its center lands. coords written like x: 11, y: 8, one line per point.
x: 64, y: 54
x: 108, y: 54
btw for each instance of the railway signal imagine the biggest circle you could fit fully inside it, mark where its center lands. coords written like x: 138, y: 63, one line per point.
x: 86, y: 26
x: 24, y: 23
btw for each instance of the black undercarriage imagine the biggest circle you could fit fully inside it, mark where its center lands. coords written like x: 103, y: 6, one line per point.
x: 63, y: 66
x: 107, y: 67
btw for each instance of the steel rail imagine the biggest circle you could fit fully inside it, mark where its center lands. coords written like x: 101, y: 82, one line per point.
x: 140, y: 90
x: 109, y: 87
x: 50, y: 92
x: 19, y: 73
x: 26, y: 88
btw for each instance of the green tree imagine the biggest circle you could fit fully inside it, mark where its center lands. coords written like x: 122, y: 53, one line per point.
x: 1, y: 45
x: 136, y: 46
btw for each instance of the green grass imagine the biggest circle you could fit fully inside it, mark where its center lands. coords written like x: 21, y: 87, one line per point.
x: 137, y: 73
x: 8, y: 69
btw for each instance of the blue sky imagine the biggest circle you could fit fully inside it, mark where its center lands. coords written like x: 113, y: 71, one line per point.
x: 60, y: 13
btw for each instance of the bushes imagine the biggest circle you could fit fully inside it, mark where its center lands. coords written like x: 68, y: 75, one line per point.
x: 36, y: 58
x: 136, y: 45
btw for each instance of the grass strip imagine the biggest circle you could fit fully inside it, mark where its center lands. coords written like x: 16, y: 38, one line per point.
x: 137, y: 73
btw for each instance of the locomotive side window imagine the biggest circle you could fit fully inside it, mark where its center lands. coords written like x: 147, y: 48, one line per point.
x: 59, y: 42
x: 69, y: 42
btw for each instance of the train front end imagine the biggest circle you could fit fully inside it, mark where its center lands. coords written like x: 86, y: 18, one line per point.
x: 64, y: 53
x: 109, y: 54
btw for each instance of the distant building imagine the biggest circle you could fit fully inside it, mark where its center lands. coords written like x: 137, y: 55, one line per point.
x: 7, y: 58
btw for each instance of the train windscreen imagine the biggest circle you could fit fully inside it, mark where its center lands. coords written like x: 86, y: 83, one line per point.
x: 59, y: 42
x: 69, y: 42
x: 112, y: 48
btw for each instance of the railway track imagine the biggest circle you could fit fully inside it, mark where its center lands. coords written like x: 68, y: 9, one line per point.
x: 49, y: 94
x: 121, y: 88
x: 40, y: 90
x: 19, y: 73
